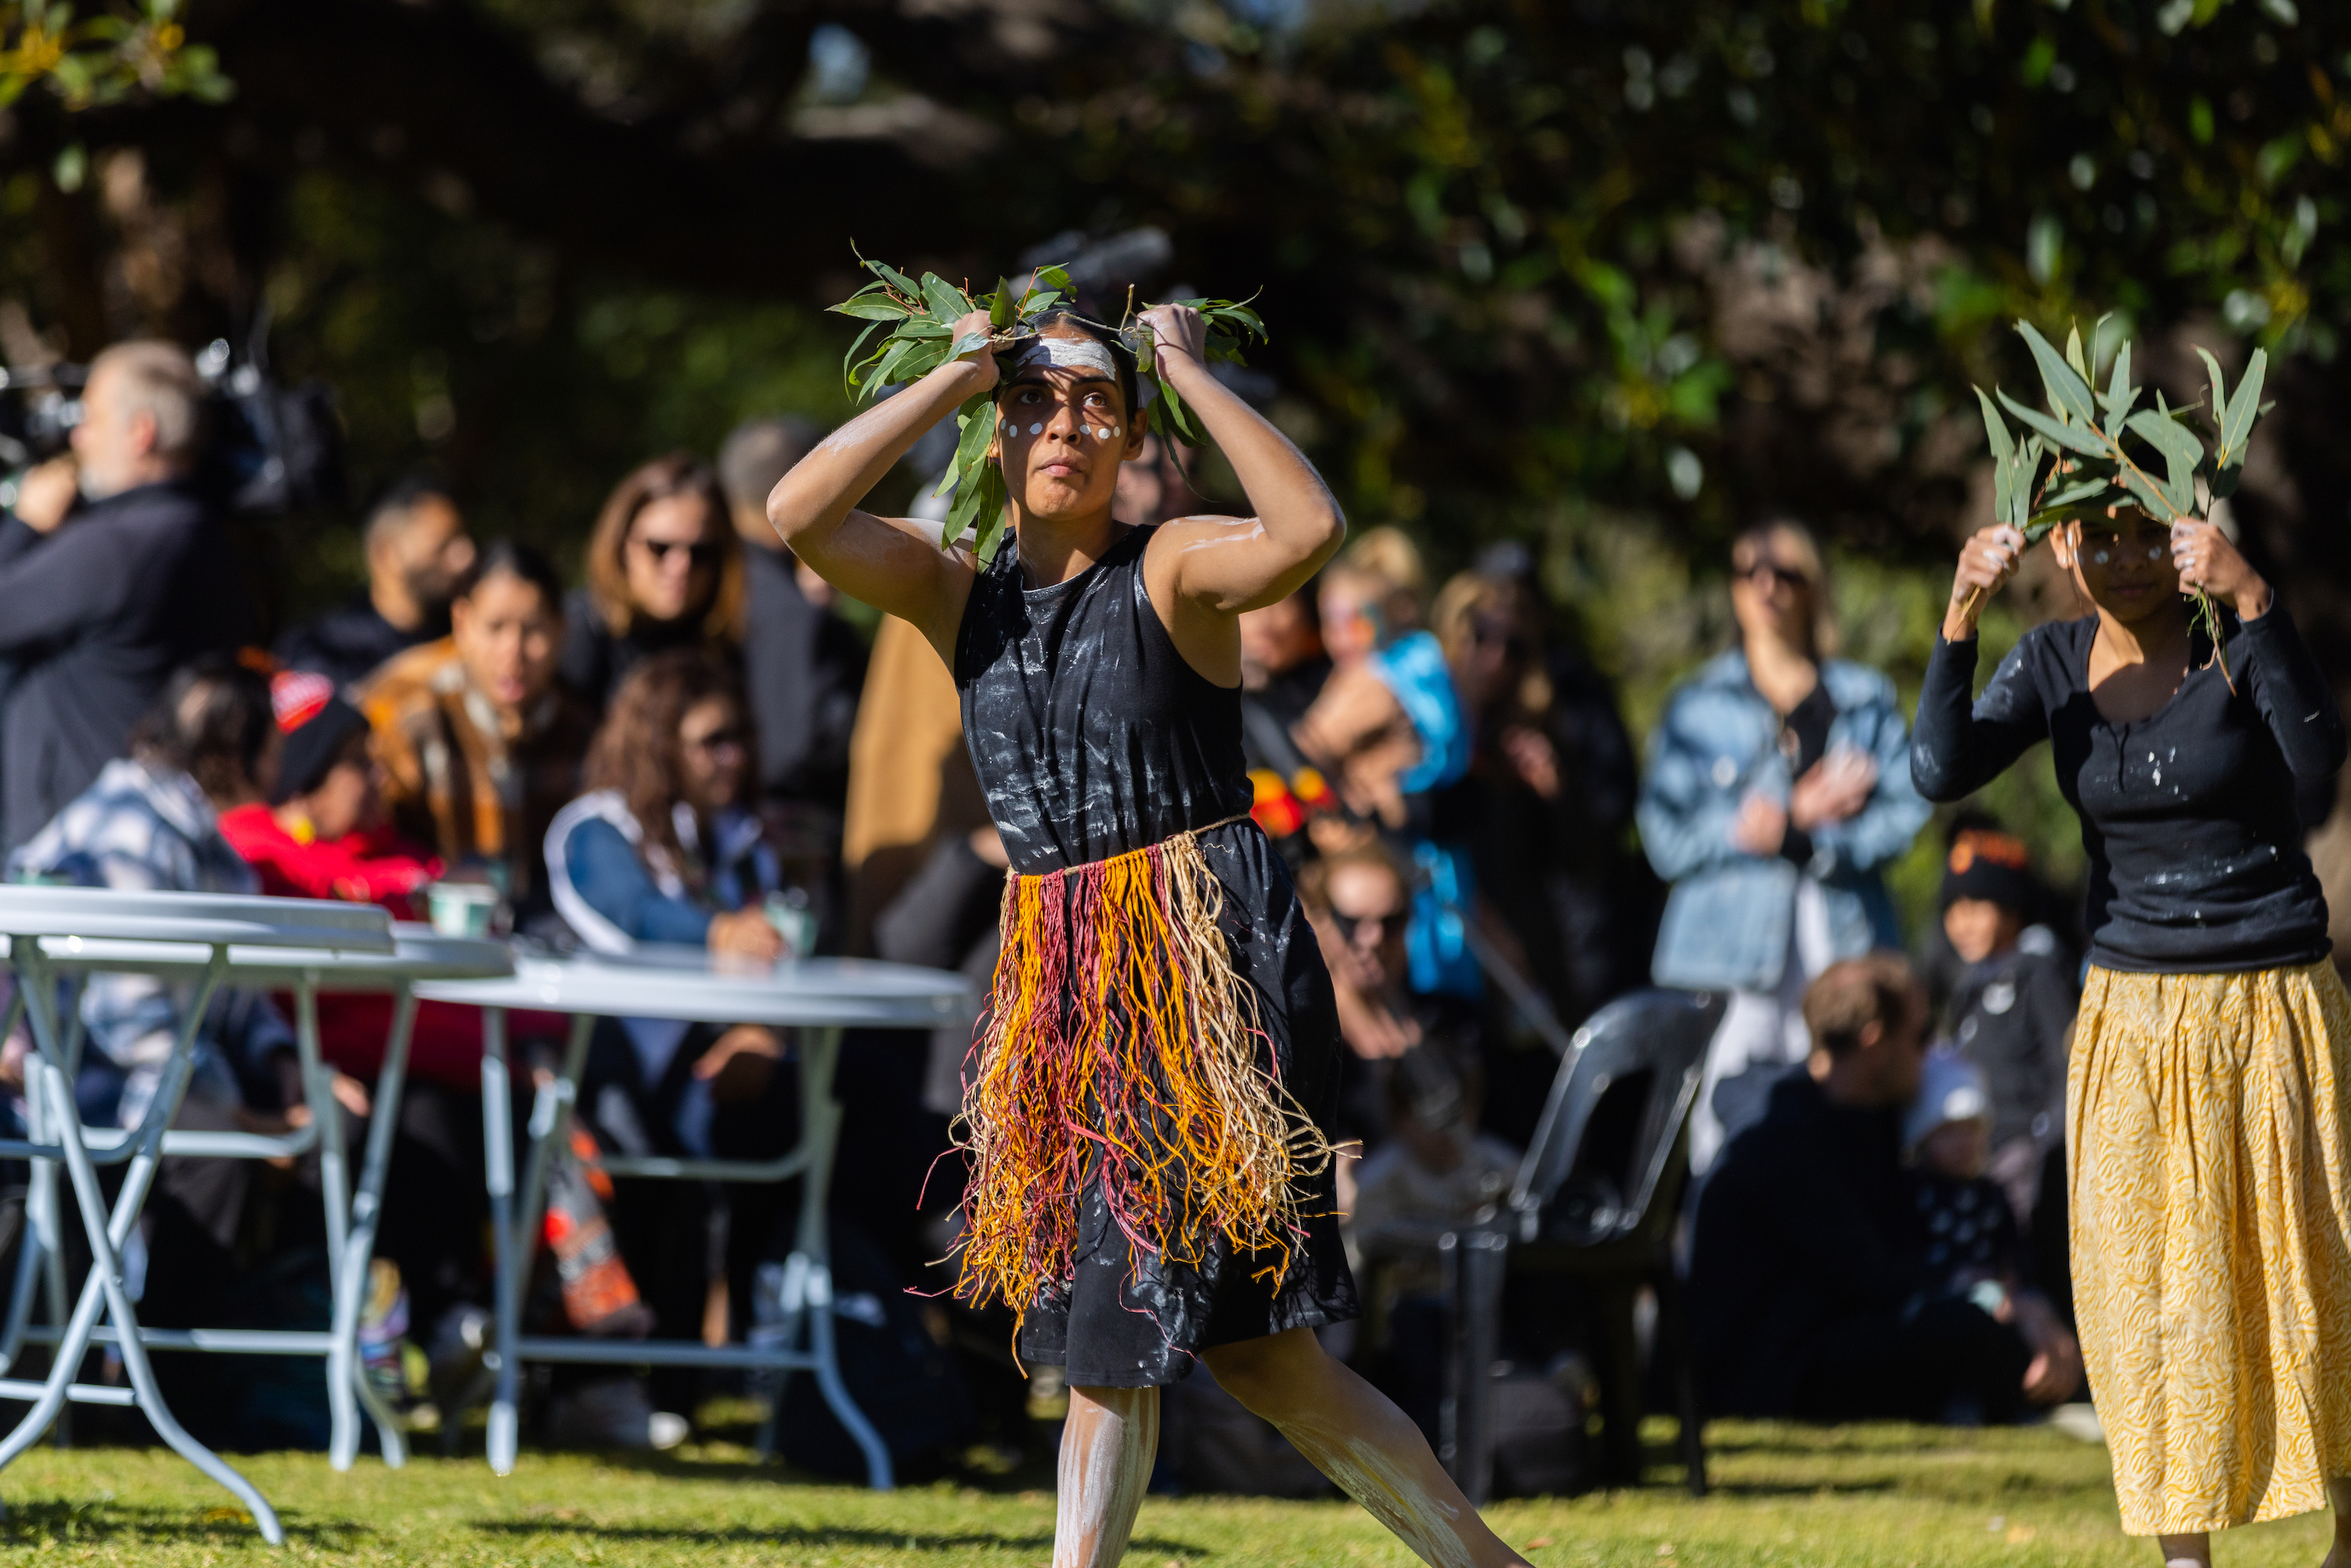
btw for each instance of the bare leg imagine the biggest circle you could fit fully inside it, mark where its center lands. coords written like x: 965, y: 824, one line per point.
x: 2186, y: 1550
x: 1107, y: 1446
x: 2338, y: 1498
x: 1350, y: 1433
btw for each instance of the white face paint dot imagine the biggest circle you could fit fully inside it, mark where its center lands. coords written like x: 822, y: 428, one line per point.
x: 1036, y: 429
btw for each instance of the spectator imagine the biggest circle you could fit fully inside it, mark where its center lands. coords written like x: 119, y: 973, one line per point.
x: 1358, y: 898
x: 1969, y: 1230
x: 664, y: 571
x: 149, y: 824
x: 106, y: 599
x: 417, y: 550
x: 1388, y: 731
x: 1778, y: 785
x: 481, y: 745
x: 1811, y: 1295
x: 662, y: 849
x: 802, y: 665
x: 1387, y: 726
x: 1283, y: 668
x: 1549, y: 801
x: 2012, y: 1012
x: 322, y: 834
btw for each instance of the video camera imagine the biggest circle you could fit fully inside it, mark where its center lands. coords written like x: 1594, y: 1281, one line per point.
x: 269, y: 449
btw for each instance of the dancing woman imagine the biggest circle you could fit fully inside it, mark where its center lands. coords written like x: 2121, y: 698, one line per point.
x: 2206, y: 1099
x: 1151, y: 1183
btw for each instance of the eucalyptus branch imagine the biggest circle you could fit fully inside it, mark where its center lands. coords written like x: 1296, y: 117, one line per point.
x: 922, y: 318
x: 2069, y: 432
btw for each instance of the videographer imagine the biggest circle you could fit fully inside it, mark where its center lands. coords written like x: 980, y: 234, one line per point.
x: 106, y: 587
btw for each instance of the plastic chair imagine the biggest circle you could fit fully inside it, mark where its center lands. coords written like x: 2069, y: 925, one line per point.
x: 1600, y: 1186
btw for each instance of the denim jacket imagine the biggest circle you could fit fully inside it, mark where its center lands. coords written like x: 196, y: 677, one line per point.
x: 1727, y: 923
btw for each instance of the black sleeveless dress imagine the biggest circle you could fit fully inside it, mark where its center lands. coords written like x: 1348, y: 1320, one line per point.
x: 1093, y: 736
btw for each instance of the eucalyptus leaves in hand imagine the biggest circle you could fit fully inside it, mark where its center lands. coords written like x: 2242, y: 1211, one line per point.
x: 2089, y: 451
x: 920, y: 319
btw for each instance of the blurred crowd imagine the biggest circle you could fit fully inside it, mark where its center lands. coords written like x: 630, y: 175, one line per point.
x: 693, y: 744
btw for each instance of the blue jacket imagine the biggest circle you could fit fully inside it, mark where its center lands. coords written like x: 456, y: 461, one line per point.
x: 1727, y: 923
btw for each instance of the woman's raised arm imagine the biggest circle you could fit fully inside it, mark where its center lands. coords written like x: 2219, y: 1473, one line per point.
x: 895, y: 565
x: 1221, y: 564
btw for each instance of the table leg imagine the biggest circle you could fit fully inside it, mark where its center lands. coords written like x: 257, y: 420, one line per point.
x: 550, y: 1132
x: 497, y: 1159
x: 812, y: 1248
x: 106, y: 1267
x: 105, y: 1233
x: 345, y: 1376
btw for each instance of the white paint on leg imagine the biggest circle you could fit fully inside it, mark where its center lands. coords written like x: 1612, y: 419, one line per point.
x: 1107, y: 1447
x: 1387, y: 1490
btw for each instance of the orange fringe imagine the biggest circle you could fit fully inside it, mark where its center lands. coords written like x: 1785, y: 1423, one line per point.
x: 1120, y: 1045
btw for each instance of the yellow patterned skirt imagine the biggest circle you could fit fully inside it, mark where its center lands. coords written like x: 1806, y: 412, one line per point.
x: 2211, y: 1159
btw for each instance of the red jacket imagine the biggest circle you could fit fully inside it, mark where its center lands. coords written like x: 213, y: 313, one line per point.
x: 371, y: 867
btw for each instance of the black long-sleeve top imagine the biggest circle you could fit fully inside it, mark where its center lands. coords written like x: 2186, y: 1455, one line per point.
x: 2188, y: 817
x: 94, y: 617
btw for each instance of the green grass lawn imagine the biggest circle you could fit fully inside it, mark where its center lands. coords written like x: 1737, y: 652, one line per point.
x: 1906, y: 1497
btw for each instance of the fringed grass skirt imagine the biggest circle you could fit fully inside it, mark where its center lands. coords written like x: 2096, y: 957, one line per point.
x: 1143, y: 1116
x: 2211, y: 1233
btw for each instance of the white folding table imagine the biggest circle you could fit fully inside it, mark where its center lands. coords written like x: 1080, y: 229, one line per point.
x: 421, y: 953
x: 38, y: 920
x: 820, y: 997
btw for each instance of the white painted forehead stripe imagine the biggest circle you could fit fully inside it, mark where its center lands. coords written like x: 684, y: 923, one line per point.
x: 1068, y: 354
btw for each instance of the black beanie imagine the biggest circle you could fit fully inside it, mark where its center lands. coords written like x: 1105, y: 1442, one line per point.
x: 1989, y: 864
x: 315, y: 723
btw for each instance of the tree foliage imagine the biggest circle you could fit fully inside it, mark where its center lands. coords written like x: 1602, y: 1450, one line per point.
x: 103, y: 58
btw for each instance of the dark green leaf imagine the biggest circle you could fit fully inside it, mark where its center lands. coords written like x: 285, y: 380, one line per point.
x: 879, y: 308
x: 1039, y: 301
x: 1053, y: 278
x: 2168, y: 436
x: 2003, y: 448
x: 2143, y: 490
x: 2121, y: 396
x: 946, y: 301
x: 895, y: 279
x: 1001, y: 308
x: 2072, y: 437
x: 2236, y: 426
x: 970, y: 342
x: 2219, y: 387
x: 2067, y: 391
x: 2077, y: 493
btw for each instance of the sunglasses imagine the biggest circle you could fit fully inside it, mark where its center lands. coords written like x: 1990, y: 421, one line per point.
x: 1381, y: 926
x: 1770, y: 574
x: 696, y: 555
x: 718, y: 740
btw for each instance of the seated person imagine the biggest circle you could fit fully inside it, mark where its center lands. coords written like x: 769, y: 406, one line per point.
x: 1974, y: 1245
x: 1809, y: 1293
x: 480, y: 742
x: 662, y: 848
x: 322, y: 832
x: 2012, y: 1012
x: 1359, y: 901
x: 149, y: 824
x: 417, y: 549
